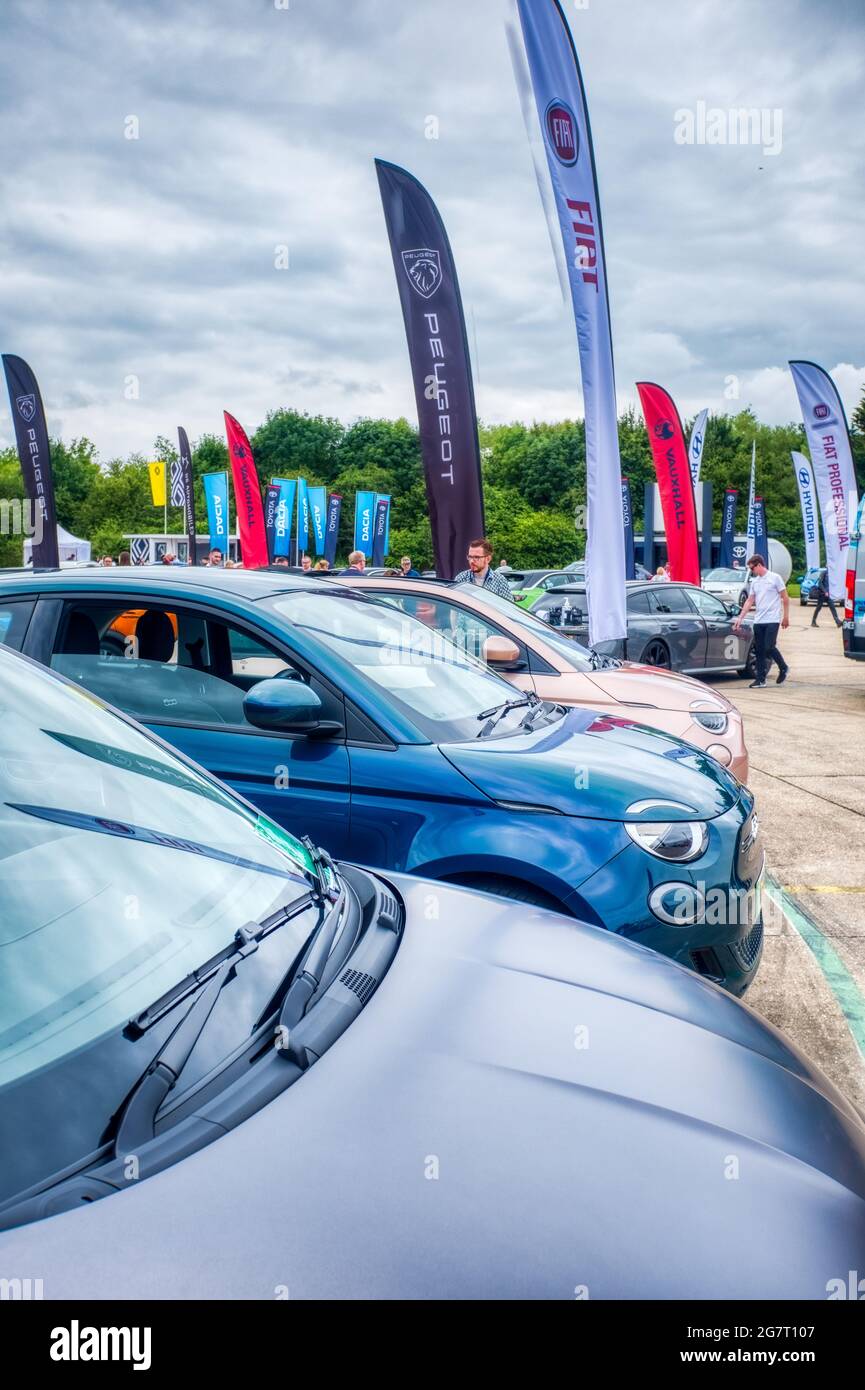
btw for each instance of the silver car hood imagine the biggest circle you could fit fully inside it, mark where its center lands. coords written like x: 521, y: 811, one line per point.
x: 527, y: 1107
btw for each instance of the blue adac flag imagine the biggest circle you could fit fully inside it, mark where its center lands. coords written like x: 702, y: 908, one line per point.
x: 728, y: 528
x: 559, y: 97
x: 284, y: 516
x: 379, y: 543
x: 302, y: 518
x: 317, y: 501
x: 334, y: 511
x: 364, y: 521
x: 628, y: 524
x: 271, y: 507
x: 216, y: 496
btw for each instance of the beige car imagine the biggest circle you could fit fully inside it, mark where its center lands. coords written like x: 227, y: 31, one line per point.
x: 529, y: 654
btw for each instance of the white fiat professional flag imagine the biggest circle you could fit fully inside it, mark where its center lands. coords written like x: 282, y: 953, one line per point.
x: 561, y: 104
x: 695, y: 448
x: 808, y: 499
x: 832, y: 464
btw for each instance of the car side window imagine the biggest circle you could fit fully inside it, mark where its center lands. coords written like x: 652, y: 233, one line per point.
x: 467, y: 629
x: 668, y: 598
x: 707, y: 605
x: 14, y: 617
x: 165, y: 665
x: 638, y: 605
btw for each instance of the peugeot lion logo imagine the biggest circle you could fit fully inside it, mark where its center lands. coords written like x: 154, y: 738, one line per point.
x: 562, y: 132
x: 664, y: 430
x: 821, y: 411
x: 26, y: 407
x: 424, y: 270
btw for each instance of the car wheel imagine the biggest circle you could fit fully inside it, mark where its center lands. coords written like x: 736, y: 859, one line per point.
x: 749, y: 670
x: 657, y: 654
x: 511, y: 888
x: 742, y: 597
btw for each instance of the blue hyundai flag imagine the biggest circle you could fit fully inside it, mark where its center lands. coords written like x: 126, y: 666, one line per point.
x: 628, y: 523
x: 379, y: 543
x: 334, y: 511
x: 271, y: 507
x: 441, y: 369
x: 302, y: 519
x: 364, y: 521
x: 728, y: 528
x: 216, y: 496
x: 284, y: 516
x: 317, y: 500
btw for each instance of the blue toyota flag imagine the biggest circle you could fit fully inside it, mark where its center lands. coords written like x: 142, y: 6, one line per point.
x: 334, y: 511
x: 628, y: 522
x: 379, y: 542
x: 441, y: 370
x: 34, y: 454
x: 271, y: 506
x: 302, y: 519
x: 317, y: 501
x: 728, y: 528
x: 216, y: 496
x: 761, y: 538
x: 555, y: 79
x: 284, y: 516
x: 364, y: 520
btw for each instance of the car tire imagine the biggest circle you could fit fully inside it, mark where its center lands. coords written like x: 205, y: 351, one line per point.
x: 511, y: 888
x: 657, y: 653
x: 749, y: 671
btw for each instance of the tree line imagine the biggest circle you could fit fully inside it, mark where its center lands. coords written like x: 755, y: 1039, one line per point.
x: 534, y: 480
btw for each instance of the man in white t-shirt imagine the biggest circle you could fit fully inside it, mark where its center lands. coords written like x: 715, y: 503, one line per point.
x: 768, y: 595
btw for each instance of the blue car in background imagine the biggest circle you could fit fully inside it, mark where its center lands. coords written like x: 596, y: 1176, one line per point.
x: 347, y: 720
x: 228, y: 1066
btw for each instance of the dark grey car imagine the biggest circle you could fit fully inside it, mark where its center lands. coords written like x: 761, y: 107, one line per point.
x: 471, y: 1098
x: 678, y: 627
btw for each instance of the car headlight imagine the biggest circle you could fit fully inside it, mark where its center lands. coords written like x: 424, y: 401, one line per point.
x: 679, y: 842
x: 715, y: 723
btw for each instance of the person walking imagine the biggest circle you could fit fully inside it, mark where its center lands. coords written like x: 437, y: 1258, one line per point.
x: 480, y: 556
x: 824, y: 598
x: 768, y: 595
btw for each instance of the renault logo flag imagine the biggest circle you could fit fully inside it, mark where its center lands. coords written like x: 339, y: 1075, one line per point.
x: 31, y: 438
x: 557, y: 84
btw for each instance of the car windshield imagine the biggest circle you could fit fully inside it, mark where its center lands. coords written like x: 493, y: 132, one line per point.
x: 577, y: 655
x: 723, y: 576
x: 440, y: 687
x: 121, y: 868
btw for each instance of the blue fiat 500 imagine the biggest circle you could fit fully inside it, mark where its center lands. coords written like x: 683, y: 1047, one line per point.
x: 346, y: 720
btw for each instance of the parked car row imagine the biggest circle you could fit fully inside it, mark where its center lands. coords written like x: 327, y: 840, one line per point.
x: 553, y: 891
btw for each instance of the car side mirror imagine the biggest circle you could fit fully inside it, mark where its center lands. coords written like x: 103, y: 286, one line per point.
x: 284, y: 707
x: 501, y: 654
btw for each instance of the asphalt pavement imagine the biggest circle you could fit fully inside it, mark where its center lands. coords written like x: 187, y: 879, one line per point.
x: 807, y: 746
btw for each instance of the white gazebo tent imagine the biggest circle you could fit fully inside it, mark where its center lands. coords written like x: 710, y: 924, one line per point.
x: 69, y: 546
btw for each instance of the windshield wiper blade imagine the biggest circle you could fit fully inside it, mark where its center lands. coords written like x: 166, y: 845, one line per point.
x: 498, y: 712
x: 536, y: 705
x: 138, y: 1117
x: 306, y: 982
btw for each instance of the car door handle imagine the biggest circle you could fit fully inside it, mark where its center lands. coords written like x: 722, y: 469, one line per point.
x: 670, y: 627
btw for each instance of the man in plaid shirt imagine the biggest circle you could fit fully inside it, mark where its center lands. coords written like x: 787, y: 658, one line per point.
x: 480, y: 558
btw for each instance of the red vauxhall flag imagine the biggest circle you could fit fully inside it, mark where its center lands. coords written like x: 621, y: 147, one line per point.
x: 670, y: 454
x: 247, y: 497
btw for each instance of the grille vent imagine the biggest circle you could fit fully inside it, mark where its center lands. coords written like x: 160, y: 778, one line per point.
x: 359, y: 984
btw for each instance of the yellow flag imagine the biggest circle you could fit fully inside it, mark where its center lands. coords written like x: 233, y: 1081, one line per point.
x: 157, y: 483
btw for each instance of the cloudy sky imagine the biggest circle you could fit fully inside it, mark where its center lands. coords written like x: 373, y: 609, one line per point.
x: 152, y: 263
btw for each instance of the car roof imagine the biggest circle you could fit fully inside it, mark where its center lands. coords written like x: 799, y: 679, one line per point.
x: 253, y: 584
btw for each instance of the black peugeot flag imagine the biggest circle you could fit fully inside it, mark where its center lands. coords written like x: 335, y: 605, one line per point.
x: 31, y: 436
x: 188, y: 494
x: 438, y: 349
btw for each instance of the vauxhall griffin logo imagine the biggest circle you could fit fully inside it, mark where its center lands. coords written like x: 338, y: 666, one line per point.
x: 562, y: 132
x: 664, y: 430
x: 424, y: 270
x: 26, y: 407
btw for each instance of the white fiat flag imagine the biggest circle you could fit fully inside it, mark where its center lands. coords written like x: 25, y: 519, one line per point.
x: 561, y: 105
x: 808, y: 499
x: 832, y: 464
